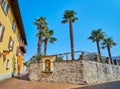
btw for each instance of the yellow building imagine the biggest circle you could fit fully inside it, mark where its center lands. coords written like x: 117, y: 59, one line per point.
x: 12, y: 39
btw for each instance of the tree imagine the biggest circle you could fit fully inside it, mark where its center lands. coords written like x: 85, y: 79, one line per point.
x: 41, y: 25
x: 39, y: 57
x: 36, y: 58
x: 27, y: 64
x: 47, y: 37
x: 97, y: 36
x: 69, y: 16
x: 108, y: 43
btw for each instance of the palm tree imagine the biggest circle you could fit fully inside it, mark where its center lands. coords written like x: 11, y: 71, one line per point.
x: 39, y: 57
x: 47, y: 36
x: 69, y: 16
x: 108, y: 43
x: 41, y: 25
x: 96, y: 36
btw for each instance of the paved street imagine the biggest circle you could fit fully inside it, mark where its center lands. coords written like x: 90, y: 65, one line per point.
x: 22, y: 83
x: 112, y: 85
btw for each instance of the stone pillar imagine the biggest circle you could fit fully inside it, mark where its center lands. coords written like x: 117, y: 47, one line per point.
x: 66, y: 56
x: 116, y: 62
x: 43, y: 65
x: 108, y: 60
x: 97, y: 57
x: 83, y: 56
x: 51, y: 68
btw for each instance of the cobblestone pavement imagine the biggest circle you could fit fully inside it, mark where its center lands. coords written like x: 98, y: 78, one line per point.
x: 22, y: 83
x: 112, y: 85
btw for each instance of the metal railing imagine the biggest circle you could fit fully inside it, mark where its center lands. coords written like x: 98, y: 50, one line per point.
x: 83, y: 55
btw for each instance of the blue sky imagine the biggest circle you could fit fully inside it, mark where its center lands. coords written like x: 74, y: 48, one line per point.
x: 92, y: 14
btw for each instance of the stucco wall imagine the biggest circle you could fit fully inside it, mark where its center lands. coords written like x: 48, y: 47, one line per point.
x: 82, y: 72
x: 6, y: 21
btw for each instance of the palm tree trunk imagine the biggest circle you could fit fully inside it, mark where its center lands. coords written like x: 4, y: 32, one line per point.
x: 71, y: 39
x: 98, y: 47
x: 39, y: 45
x: 109, y: 52
x: 45, y: 46
x: 39, y: 41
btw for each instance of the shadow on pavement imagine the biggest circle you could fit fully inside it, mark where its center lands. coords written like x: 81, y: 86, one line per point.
x: 22, y: 77
x: 111, y: 85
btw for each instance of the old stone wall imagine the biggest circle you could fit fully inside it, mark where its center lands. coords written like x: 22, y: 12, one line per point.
x: 66, y: 72
x: 95, y: 72
x: 34, y: 72
x: 82, y: 72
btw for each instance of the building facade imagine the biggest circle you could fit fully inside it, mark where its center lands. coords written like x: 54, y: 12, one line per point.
x: 12, y: 39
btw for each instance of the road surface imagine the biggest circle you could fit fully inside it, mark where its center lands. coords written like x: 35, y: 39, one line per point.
x: 21, y: 82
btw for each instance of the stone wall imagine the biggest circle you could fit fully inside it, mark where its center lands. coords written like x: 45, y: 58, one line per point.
x: 95, y: 72
x: 82, y: 72
x: 34, y: 72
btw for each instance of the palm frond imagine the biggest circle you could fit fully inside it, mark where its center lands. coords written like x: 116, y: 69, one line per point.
x: 39, y: 34
x: 92, y: 38
x: 64, y: 21
x: 108, y: 42
x: 103, y: 47
x: 40, y: 22
x: 74, y: 19
x: 51, y: 32
x: 52, y: 40
x: 69, y: 14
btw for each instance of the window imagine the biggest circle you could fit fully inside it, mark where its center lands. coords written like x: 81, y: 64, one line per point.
x: 5, y: 6
x: 13, y: 26
x: 7, y: 64
x: 17, y: 51
x: 1, y: 32
x: 11, y: 44
x: 19, y: 37
x: 0, y: 1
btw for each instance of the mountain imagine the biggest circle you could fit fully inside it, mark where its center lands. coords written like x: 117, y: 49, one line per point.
x: 116, y: 57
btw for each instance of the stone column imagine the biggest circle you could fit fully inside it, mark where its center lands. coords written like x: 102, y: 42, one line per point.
x: 66, y: 56
x: 83, y: 56
x: 51, y: 68
x: 43, y: 65
x: 116, y: 62
x: 108, y: 60
x: 97, y: 57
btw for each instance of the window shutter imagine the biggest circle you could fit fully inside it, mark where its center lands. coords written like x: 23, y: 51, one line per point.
x: 7, y: 64
x: 12, y: 45
x: 7, y: 7
x: 13, y: 24
x: 1, y: 1
x: 17, y: 51
x: 2, y: 33
x: 9, y: 42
